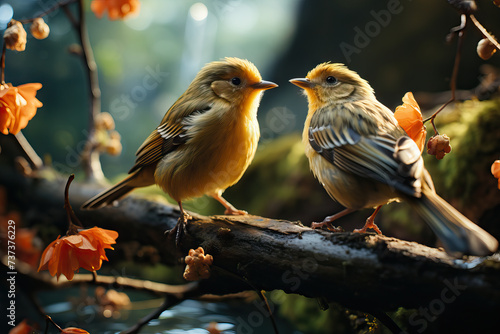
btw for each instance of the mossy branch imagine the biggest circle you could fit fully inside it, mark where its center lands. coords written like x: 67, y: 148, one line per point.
x: 365, y: 272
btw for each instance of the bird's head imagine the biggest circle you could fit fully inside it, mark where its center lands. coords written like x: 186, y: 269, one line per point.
x: 333, y: 83
x: 233, y: 80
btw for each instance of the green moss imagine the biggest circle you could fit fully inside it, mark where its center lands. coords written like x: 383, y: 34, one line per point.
x: 307, y: 316
x: 473, y: 128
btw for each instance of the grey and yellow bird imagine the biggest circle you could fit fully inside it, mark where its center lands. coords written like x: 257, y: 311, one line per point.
x: 364, y: 159
x: 205, y: 141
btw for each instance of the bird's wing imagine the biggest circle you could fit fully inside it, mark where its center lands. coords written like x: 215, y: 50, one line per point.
x: 383, y: 157
x: 169, y: 135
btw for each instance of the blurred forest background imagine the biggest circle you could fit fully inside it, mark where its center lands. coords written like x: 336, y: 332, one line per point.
x: 146, y: 62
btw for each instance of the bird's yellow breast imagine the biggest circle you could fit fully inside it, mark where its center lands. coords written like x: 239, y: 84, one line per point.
x: 221, y: 145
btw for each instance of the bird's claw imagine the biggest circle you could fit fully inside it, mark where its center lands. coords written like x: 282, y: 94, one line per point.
x: 369, y: 224
x: 328, y: 225
x: 180, y: 229
x: 235, y: 212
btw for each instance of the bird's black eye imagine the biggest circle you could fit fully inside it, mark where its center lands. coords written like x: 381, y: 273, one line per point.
x: 331, y: 80
x: 236, y: 81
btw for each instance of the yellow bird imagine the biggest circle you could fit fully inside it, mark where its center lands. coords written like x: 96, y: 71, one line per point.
x: 205, y: 141
x: 364, y: 159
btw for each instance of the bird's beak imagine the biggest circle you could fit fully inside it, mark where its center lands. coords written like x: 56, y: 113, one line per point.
x: 302, y: 83
x: 264, y: 85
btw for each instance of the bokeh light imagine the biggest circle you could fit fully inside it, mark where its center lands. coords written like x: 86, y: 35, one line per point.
x: 6, y: 13
x: 198, y: 11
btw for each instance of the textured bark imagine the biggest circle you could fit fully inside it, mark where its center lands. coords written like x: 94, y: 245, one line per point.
x: 360, y: 271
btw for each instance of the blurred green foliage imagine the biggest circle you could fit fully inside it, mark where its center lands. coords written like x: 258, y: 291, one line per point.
x: 473, y: 128
x: 284, y: 39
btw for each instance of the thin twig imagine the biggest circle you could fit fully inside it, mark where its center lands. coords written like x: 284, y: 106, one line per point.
x: 460, y: 30
x: 47, y: 323
x: 49, y: 319
x: 50, y: 10
x: 46, y: 282
x: 73, y: 221
x: 485, y: 32
x: 268, y: 308
x: 259, y: 292
x: 90, y: 158
x: 71, y: 17
x: 2, y: 64
x: 453, y: 82
x: 33, y: 158
x: 169, y: 302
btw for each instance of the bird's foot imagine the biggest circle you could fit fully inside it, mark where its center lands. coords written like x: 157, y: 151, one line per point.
x: 235, y: 212
x: 180, y: 228
x: 328, y: 221
x: 185, y: 218
x: 328, y: 225
x: 369, y: 224
x: 230, y: 209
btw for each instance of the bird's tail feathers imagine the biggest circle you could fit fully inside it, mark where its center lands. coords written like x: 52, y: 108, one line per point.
x: 457, y: 233
x: 117, y: 191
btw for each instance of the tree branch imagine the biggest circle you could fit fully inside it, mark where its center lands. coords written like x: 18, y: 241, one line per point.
x: 359, y: 271
x: 90, y: 158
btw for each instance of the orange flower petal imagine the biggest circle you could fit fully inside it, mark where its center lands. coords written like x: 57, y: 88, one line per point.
x: 6, y: 118
x: 80, y: 241
x: 22, y: 328
x: 410, y: 119
x: 58, y: 263
x: 117, y: 9
x: 54, y: 259
x: 47, y: 255
x: 18, y: 106
x: 495, y: 169
x: 89, y: 260
x: 98, y: 7
x: 100, y: 238
x: 7, y: 102
x: 83, y: 250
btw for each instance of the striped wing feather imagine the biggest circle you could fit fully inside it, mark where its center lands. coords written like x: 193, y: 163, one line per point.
x: 167, y: 137
x: 381, y: 157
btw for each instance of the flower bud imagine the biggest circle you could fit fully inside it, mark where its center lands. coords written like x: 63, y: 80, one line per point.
x: 75, y: 49
x: 197, y: 265
x: 39, y: 29
x: 15, y: 36
x: 104, y: 121
x: 439, y: 146
x: 485, y: 49
x: 114, y: 147
x: 114, y: 135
